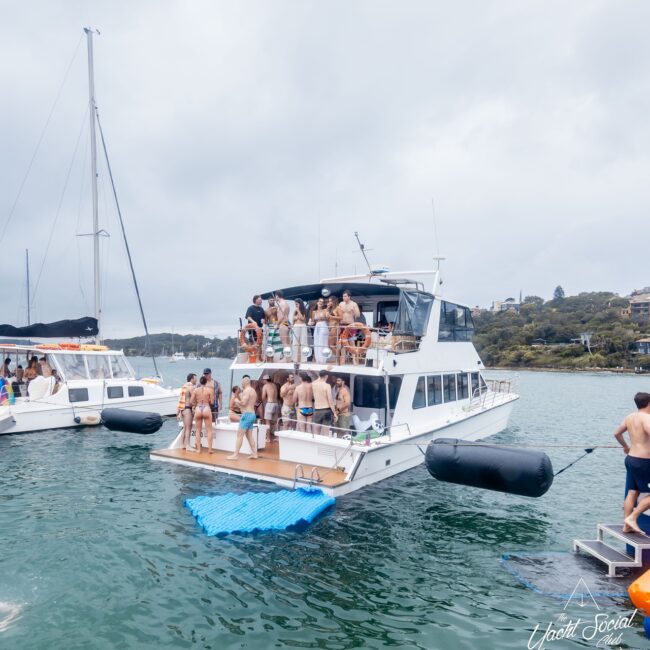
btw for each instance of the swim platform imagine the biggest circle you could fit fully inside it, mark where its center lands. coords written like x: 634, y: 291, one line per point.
x: 258, y: 511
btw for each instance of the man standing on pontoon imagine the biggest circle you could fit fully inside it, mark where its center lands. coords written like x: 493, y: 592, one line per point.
x: 246, y: 401
x: 637, y: 460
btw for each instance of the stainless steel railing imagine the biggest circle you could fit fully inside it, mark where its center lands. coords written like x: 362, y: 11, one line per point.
x: 337, y: 345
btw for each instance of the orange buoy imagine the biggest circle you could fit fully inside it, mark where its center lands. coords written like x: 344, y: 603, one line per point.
x: 639, y: 592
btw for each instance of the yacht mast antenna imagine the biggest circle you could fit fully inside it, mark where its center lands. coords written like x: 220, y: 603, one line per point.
x: 29, y: 316
x: 93, y: 158
x: 362, y: 248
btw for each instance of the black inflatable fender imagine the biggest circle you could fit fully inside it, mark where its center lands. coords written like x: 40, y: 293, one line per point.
x: 117, y: 419
x: 525, y: 472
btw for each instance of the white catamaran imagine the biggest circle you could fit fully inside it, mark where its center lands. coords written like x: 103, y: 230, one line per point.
x: 74, y: 381
x: 414, y: 381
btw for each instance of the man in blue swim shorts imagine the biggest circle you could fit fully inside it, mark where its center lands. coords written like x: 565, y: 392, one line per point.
x: 246, y: 402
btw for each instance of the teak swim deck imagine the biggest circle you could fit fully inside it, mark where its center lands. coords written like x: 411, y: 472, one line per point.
x: 267, y: 465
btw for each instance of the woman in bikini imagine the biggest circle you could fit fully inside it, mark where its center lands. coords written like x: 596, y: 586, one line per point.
x: 202, y: 398
x: 333, y: 320
x: 184, y: 412
x: 299, y: 330
x: 321, y: 333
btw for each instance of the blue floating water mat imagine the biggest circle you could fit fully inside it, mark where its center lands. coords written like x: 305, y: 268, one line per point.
x: 567, y: 575
x: 258, y: 511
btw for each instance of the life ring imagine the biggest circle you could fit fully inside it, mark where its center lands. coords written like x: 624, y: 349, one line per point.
x: 347, y: 333
x: 48, y: 346
x: 70, y: 346
x: 251, y: 348
x: 94, y: 348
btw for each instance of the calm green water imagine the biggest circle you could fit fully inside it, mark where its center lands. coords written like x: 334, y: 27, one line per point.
x: 98, y: 551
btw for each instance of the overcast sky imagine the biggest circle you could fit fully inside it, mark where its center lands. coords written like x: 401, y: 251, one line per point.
x: 237, y: 130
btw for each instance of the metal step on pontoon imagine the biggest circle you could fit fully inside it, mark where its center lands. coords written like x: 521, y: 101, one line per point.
x: 612, y: 557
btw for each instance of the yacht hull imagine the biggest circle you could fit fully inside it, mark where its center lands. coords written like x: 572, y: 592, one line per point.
x: 34, y: 416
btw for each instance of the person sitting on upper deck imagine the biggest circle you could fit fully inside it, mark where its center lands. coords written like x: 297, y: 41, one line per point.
x: 32, y: 370
x: 46, y: 369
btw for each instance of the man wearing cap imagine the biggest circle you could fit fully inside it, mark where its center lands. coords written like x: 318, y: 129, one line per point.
x: 215, y: 407
x: 271, y: 406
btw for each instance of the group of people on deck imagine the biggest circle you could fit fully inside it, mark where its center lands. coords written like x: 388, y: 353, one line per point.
x: 325, y: 317
x: 319, y: 406
x: 21, y: 376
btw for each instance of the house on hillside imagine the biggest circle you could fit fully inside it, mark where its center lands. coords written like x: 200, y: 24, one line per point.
x: 509, y: 304
x: 640, y: 306
x: 642, y: 346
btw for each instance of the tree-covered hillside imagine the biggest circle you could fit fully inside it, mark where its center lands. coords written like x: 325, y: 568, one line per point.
x: 164, y: 344
x: 547, y: 334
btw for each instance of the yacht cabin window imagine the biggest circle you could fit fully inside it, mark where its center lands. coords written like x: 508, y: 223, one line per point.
x: 463, y: 385
x: 419, y: 399
x: 136, y: 391
x: 434, y: 390
x: 78, y: 394
x: 456, y: 323
x: 114, y: 392
x: 449, y: 387
x: 370, y: 392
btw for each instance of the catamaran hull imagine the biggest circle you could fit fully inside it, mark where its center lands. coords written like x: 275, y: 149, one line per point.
x: 63, y: 417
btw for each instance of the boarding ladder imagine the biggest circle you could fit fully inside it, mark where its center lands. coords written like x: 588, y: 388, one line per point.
x: 608, y: 554
x: 299, y: 476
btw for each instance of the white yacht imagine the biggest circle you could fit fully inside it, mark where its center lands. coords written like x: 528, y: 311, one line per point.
x: 419, y: 380
x: 90, y: 378
x: 177, y: 356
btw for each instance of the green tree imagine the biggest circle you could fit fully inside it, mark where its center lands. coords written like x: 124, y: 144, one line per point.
x: 558, y: 294
x: 533, y: 300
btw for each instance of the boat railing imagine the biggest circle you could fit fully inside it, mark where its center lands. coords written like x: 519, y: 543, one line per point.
x: 491, y: 391
x: 331, y: 431
x: 339, y: 345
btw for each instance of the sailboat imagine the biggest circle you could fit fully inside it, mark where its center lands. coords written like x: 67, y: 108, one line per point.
x: 76, y: 380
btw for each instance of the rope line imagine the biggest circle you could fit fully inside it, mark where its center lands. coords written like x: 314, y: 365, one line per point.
x: 38, y: 144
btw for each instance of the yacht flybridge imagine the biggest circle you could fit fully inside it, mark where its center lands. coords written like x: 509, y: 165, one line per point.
x: 412, y: 371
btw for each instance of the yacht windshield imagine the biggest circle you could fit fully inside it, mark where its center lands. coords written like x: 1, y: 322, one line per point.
x: 73, y: 366
x: 119, y: 367
x: 98, y: 366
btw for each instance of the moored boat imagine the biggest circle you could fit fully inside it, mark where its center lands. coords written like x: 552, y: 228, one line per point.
x: 412, y: 371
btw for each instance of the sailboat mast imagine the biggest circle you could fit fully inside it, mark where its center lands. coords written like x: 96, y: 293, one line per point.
x: 29, y: 315
x: 92, y: 108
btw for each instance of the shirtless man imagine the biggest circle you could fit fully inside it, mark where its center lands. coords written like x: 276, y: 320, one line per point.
x: 246, y: 402
x: 288, y: 408
x: 637, y: 460
x: 349, y: 312
x: 271, y: 406
x: 303, y: 398
x: 343, y: 403
x: 283, y: 319
x: 348, y: 309
x: 324, y: 408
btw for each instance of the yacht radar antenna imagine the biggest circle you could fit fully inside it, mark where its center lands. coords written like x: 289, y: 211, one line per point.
x: 362, y: 248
